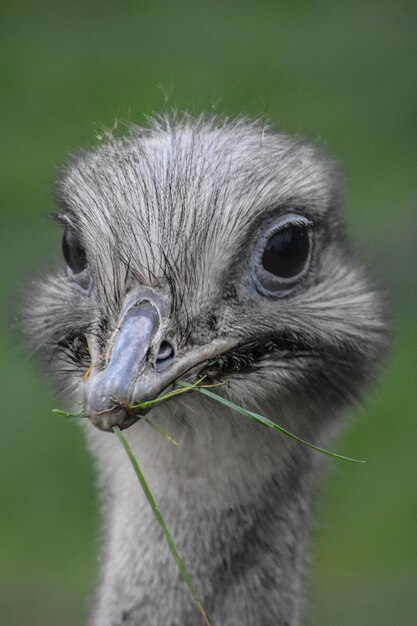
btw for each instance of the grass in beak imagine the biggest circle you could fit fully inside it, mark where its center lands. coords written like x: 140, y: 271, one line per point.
x: 264, y: 421
x: 186, y: 577
x: 141, y: 406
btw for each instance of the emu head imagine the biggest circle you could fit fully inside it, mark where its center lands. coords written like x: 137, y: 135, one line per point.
x: 205, y: 247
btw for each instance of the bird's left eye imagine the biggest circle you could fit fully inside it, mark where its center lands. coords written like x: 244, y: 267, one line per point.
x: 73, y: 251
x: 284, y: 254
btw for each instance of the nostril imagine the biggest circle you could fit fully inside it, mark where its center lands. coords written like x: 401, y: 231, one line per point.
x: 165, y: 355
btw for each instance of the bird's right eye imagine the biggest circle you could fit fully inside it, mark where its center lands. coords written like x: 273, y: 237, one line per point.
x: 73, y: 251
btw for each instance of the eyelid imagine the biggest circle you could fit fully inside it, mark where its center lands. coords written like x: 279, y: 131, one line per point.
x: 290, y: 219
x: 64, y: 220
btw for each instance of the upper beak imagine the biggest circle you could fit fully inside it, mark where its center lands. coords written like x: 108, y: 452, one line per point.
x: 140, y: 364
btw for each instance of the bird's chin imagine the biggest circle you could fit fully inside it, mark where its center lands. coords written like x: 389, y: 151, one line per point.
x: 116, y: 416
x: 123, y: 414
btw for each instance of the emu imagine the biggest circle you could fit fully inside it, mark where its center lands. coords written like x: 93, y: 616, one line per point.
x: 206, y: 246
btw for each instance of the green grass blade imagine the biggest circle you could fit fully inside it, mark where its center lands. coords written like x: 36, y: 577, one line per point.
x: 260, y: 419
x: 146, y: 404
x: 161, y: 431
x: 67, y: 415
x: 161, y: 522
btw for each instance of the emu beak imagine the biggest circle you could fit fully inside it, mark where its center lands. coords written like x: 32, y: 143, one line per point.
x: 131, y: 372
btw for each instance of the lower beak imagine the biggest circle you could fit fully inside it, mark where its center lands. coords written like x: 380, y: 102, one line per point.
x: 139, y: 366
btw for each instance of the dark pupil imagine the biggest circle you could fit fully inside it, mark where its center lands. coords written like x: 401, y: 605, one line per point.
x: 73, y: 251
x: 287, y: 251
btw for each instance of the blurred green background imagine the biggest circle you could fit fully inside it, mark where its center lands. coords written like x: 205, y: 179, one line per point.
x: 341, y: 73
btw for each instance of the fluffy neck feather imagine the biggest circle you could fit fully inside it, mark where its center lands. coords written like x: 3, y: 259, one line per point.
x: 237, y: 509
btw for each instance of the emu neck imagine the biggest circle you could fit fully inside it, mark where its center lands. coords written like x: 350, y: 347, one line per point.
x: 238, y: 508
